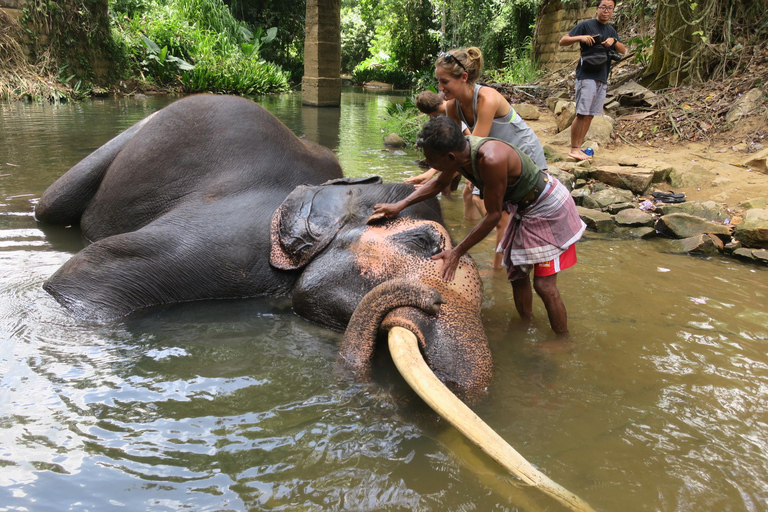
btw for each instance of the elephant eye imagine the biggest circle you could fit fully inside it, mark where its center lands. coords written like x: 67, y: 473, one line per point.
x: 424, y: 241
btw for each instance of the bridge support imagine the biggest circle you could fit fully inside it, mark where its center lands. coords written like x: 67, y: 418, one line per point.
x: 321, y: 85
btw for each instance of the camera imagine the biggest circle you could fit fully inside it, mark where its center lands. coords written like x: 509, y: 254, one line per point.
x: 598, y: 38
x: 615, y: 56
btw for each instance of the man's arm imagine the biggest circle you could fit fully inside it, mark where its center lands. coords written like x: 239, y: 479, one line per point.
x: 430, y: 189
x: 568, y: 40
x: 494, y: 168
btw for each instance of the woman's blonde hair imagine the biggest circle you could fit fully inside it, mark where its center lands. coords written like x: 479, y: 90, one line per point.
x: 458, y: 61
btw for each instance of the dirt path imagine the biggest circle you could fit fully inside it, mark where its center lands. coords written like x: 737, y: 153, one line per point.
x: 723, y: 177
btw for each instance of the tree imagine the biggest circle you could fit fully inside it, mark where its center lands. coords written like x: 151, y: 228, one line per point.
x: 700, y: 39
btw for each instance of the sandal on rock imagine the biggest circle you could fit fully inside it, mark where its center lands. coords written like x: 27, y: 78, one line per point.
x: 669, y: 197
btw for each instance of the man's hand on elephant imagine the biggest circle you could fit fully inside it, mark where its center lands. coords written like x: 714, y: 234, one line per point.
x: 388, y: 210
x: 451, y: 260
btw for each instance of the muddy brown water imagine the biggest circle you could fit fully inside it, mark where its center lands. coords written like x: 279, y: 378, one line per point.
x: 660, y: 403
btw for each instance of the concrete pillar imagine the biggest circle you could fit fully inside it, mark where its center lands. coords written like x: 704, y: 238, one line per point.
x: 321, y: 85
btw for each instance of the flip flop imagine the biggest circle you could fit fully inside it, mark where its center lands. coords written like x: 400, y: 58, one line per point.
x: 669, y: 197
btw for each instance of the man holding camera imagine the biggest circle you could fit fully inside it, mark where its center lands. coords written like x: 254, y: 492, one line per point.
x: 599, y: 43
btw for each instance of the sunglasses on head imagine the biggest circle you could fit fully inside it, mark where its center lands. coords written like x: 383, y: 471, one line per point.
x: 449, y: 58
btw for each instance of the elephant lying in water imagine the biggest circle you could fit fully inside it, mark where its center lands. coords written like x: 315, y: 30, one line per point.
x: 212, y: 197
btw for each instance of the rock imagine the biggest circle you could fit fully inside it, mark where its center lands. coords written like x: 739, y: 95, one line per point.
x: 758, y: 162
x: 636, y: 179
x: 633, y: 94
x: 579, y: 194
x: 618, y: 207
x: 696, y: 176
x: 601, y: 200
x: 721, y: 181
x: 600, y: 130
x: 394, y: 140
x: 702, y: 244
x: 642, y: 232
x: 730, y: 247
x: 744, y: 254
x: 554, y: 98
x: 749, y: 204
x: 634, y: 217
x: 746, y: 105
x: 760, y: 255
x: 753, y: 230
x: 707, y: 210
x: 373, y: 84
x: 563, y: 177
x: 595, y: 220
x: 682, y: 225
x: 526, y: 111
x: 627, y: 161
x: 565, y: 117
x: 661, y: 170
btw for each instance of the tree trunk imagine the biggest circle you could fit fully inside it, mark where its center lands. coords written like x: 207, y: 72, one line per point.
x: 673, y: 45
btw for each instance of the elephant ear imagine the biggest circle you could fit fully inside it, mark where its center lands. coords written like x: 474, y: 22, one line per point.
x: 308, y: 221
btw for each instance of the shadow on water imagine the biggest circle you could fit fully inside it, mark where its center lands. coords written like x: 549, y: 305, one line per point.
x: 658, y: 403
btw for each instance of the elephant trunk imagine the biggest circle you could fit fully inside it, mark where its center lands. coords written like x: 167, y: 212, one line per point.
x: 404, y: 348
x: 359, y: 341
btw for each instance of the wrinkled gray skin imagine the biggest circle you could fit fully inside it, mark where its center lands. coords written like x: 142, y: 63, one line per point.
x: 212, y: 197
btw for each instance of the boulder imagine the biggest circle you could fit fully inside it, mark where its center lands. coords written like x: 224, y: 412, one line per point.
x: 595, y: 220
x: 394, y: 140
x: 636, y: 179
x: 758, y: 161
x: 618, y: 207
x: 554, y: 98
x: 720, y: 181
x: 634, y: 217
x: 756, y: 255
x: 565, y: 117
x: 642, y: 232
x: 633, y: 94
x: 709, y: 210
x: 603, y: 199
x: 579, y: 194
x: 682, y: 225
x: 746, y: 105
x: 600, y: 131
x: 702, y: 244
x: 749, y: 204
x: 696, y: 176
x: 563, y: 177
x: 753, y: 230
x: 526, y: 111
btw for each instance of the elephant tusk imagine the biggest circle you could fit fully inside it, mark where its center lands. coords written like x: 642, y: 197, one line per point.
x: 404, y: 348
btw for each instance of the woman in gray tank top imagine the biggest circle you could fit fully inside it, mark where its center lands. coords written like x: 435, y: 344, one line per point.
x: 486, y: 113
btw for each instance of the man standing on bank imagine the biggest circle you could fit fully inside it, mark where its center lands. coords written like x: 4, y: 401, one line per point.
x: 544, y: 224
x: 596, y: 39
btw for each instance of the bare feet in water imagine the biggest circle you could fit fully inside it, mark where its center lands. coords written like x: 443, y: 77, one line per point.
x: 577, y: 154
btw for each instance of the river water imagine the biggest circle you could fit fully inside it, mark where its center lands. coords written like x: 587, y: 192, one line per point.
x: 660, y: 403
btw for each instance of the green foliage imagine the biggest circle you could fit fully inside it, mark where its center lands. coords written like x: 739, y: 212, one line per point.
x: 642, y: 47
x: 519, y: 67
x: 198, y: 45
x: 397, y: 77
x: 404, y: 119
x: 356, y: 37
x: 287, y: 50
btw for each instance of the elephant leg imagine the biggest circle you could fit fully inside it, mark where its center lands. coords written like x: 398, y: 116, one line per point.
x: 188, y: 254
x: 64, y: 202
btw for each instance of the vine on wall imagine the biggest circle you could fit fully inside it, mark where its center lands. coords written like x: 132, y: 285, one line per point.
x: 71, y: 35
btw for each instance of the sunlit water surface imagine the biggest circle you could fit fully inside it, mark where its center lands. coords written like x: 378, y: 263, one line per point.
x: 661, y: 403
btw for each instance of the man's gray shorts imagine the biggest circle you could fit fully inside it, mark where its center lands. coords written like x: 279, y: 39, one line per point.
x: 590, y: 97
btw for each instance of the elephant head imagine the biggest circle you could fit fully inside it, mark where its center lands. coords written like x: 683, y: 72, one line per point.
x: 381, y: 275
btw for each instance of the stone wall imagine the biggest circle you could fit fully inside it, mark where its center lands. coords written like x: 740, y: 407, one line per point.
x: 86, y: 56
x: 555, y: 19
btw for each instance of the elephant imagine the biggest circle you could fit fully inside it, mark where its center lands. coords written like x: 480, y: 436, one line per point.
x: 212, y: 198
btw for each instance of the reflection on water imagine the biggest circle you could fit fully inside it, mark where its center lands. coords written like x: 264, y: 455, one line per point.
x: 233, y: 405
